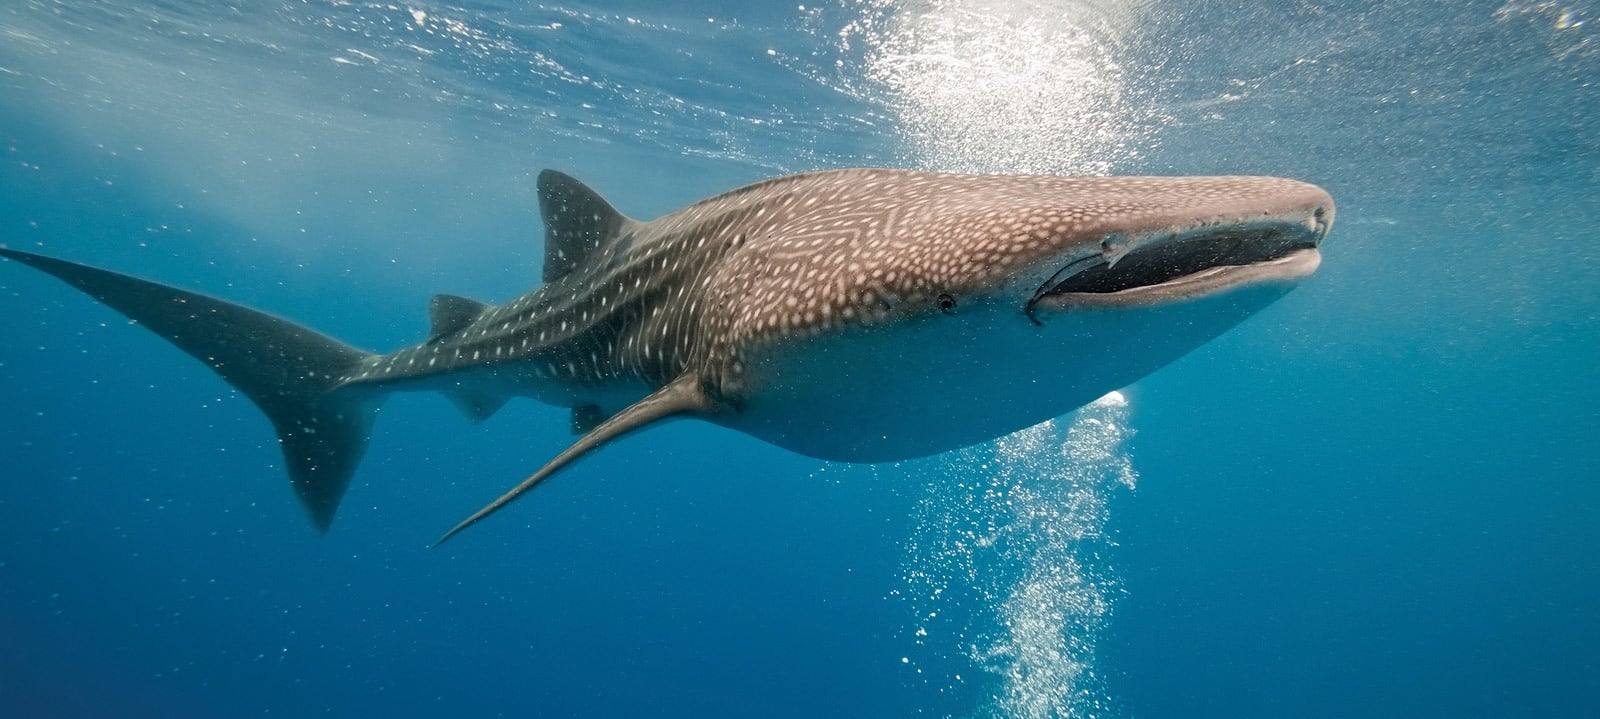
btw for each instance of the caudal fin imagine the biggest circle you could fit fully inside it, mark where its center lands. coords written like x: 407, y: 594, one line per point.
x: 291, y: 372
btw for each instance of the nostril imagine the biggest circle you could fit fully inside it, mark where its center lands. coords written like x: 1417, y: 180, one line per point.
x: 1319, y: 220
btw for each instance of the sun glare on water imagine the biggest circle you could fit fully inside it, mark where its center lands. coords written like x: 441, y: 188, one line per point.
x: 1007, y: 569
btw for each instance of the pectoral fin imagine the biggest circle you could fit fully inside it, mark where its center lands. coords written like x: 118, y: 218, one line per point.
x: 682, y: 396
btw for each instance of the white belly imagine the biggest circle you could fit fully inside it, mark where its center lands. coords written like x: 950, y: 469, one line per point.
x: 938, y: 383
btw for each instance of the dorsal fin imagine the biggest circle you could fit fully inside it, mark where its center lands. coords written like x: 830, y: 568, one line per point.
x: 577, y: 221
x: 449, y: 314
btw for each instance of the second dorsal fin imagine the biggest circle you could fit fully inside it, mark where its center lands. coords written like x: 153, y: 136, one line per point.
x: 449, y: 314
x: 577, y: 221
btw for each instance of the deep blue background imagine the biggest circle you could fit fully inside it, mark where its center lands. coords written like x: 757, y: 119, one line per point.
x: 1377, y: 498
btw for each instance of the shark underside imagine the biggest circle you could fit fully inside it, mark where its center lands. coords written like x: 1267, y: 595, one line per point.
x: 856, y: 315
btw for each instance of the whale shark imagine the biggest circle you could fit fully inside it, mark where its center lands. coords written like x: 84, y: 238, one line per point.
x: 859, y: 315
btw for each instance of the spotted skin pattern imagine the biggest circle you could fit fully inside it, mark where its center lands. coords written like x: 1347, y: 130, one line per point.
x: 700, y: 289
x: 860, y: 315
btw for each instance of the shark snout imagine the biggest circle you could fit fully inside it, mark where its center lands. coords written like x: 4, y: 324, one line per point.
x: 1309, y: 205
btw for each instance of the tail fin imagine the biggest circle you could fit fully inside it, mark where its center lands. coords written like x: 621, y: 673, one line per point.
x: 291, y: 372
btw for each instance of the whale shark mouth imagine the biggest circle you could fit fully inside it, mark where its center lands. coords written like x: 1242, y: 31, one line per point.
x: 1186, y: 266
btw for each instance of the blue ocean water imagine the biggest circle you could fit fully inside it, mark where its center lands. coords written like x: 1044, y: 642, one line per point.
x: 1376, y: 498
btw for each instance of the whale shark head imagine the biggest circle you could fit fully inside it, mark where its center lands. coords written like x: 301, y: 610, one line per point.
x: 923, y: 312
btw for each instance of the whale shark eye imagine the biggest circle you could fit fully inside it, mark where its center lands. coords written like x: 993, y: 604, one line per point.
x: 946, y: 302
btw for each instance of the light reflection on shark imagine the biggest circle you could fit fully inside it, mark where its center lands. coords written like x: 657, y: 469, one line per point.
x: 856, y: 315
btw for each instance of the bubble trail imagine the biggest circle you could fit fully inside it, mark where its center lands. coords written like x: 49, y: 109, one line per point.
x: 1008, y: 566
